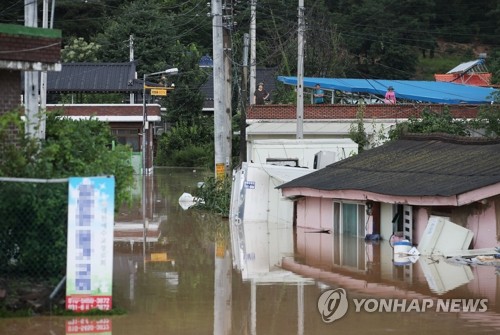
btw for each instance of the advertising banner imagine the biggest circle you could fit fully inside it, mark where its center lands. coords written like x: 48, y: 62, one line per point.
x: 89, y: 271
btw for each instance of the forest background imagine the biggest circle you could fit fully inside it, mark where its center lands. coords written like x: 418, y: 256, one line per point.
x: 390, y: 39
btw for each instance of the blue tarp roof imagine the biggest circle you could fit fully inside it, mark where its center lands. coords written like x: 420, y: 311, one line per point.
x: 424, y: 91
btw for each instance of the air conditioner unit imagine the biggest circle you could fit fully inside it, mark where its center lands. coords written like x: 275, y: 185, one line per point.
x: 323, y: 158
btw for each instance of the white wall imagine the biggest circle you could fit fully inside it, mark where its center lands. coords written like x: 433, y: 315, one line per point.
x: 304, y: 150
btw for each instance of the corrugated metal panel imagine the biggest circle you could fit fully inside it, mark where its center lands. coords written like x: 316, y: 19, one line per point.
x: 464, y: 67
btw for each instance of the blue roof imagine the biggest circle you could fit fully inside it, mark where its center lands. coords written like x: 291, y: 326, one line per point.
x: 423, y: 91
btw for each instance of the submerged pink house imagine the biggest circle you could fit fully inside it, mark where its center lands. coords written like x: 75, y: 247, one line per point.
x: 392, y: 190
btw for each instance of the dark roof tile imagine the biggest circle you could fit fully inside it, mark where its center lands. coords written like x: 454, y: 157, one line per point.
x: 94, y: 77
x: 432, y: 165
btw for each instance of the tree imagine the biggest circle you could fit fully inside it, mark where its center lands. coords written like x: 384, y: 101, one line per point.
x: 185, y: 102
x: 385, y: 36
x: 34, y: 212
x: 488, y: 118
x: 431, y: 122
x: 151, y: 24
x: 78, y: 50
x: 81, y: 18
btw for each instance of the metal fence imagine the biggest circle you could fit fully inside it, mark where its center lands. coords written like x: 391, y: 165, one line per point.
x: 33, y: 232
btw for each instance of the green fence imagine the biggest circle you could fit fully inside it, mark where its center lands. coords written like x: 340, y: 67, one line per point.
x: 33, y: 233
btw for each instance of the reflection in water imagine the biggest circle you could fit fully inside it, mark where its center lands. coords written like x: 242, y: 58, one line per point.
x: 274, y: 289
x: 85, y: 325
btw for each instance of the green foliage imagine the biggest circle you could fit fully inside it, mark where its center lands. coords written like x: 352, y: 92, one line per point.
x: 494, y: 66
x: 351, y: 38
x: 488, y: 118
x: 186, y: 145
x: 284, y: 94
x: 151, y: 24
x: 34, y: 215
x: 18, y: 152
x: 33, y: 228
x: 357, y: 131
x: 83, y: 148
x: 215, y: 195
x: 185, y: 102
x: 431, y: 122
x: 190, y: 156
x: 427, y: 66
x: 78, y: 50
x: 91, y: 312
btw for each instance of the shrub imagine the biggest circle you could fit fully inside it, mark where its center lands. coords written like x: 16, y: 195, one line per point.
x: 34, y: 215
x: 185, y: 145
x: 215, y: 195
x: 191, y: 156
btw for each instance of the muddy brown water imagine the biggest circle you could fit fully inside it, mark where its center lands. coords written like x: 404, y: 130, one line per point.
x: 178, y: 278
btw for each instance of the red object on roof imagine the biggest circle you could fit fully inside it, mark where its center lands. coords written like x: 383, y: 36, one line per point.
x: 472, y: 73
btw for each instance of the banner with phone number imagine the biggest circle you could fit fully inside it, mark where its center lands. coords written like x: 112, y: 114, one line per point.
x: 89, y: 270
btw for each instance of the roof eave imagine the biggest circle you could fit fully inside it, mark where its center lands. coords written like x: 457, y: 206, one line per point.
x: 361, y: 195
x: 423, y: 200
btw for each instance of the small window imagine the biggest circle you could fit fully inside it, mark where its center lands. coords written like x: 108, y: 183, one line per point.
x: 129, y: 137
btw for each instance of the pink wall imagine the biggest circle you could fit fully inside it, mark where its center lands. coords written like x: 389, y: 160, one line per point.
x: 420, y: 219
x: 484, y: 227
x: 315, y: 213
x: 482, y: 223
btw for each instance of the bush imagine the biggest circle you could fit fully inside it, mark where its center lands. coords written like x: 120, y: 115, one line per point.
x: 186, y: 145
x: 215, y: 195
x: 191, y: 156
x: 34, y: 215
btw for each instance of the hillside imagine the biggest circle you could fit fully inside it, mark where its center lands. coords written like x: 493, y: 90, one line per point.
x: 447, y: 56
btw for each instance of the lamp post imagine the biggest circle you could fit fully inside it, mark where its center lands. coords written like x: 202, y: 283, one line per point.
x: 145, y: 151
x: 145, y: 124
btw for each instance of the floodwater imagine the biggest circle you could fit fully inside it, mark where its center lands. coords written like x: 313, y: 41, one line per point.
x: 178, y: 275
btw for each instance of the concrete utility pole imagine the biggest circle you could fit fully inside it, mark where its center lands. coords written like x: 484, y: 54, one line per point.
x: 221, y: 131
x: 31, y: 80
x: 253, y: 49
x: 131, y: 56
x: 300, y: 73
x: 244, y: 100
x: 227, y: 18
x: 43, y: 74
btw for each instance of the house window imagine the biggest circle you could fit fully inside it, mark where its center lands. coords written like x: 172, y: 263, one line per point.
x: 349, y: 218
x: 128, y: 137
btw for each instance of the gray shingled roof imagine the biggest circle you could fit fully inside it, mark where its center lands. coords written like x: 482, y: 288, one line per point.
x: 94, y: 77
x: 417, y: 165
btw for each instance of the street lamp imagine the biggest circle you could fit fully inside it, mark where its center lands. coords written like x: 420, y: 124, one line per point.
x: 145, y: 124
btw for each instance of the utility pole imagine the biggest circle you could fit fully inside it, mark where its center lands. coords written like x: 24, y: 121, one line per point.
x: 244, y: 100
x: 31, y: 80
x: 227, y: 18
x: 300, y: 73
x: 253, y: 49
x: 43, y: 76
x: 131, y: 56
x: 221, y: 131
